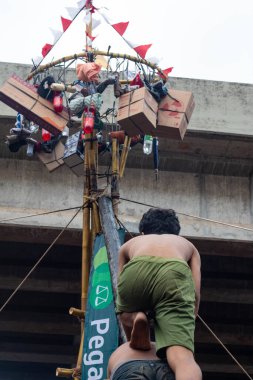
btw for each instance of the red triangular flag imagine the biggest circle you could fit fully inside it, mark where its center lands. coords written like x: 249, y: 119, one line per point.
x: 142, y: 50
x: 120, y: 27
x: 65, y: 23
x: 46, y: 49
x: 90, y: 6
x: 168, y: 70
x: 165, y: 72
x: 90, y: 36
x: 137, y: 81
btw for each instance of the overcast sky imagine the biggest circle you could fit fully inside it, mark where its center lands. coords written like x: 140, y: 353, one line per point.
x: 205, y: 39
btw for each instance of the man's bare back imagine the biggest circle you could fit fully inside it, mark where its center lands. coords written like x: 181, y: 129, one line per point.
x: 167, y: 246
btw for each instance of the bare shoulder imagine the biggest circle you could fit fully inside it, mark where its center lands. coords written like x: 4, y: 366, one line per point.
x: 132, y: 241
x: 186, y: 241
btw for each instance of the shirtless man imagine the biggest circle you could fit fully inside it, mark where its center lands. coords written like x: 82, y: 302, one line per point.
x: 129, y: 363
x: 160, y: 272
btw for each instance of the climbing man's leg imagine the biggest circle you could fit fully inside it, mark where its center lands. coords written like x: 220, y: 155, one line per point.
x: 182, y: 363
x: 136, y: 327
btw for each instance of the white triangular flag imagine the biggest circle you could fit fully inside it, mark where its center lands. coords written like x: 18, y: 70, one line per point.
x: 81, y: 4
x: 130, y: 43
x: 95, y: 22
x: 106, y: 17
x: 87, y: 18
x: 56, y: 34
x: 37, y: 60
x: 72, y: 11
x: 89, y: 41
x: 154, y: 60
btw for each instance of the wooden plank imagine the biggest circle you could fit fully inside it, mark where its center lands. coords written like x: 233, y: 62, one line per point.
x: 225, y: 369
x: 227, y: 295
x: 42, y: 301
x: 229, y: 334
x: 26, y: 325
x: 31, y: 234
x: 39, y: 284
x: 34, y: 357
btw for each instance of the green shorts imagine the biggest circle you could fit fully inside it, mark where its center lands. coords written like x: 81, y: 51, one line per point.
x: 165, y: 286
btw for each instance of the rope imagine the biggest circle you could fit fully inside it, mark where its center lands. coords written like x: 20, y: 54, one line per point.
x: 193, y: 216
x: 122, y: 225
x: 63, y: 60
x: 100, y: 176
x: 39, y: 214
x: 40, y: 259
x: 225, y: 348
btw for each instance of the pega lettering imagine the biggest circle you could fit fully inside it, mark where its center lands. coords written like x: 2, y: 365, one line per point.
x: 94, y: 373
x: 100, y: 322
x: 88, y: 359
x: 96, y: 342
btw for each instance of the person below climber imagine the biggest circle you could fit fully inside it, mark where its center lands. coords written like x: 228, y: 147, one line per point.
x: 129, y: 363
x: 159, y: 273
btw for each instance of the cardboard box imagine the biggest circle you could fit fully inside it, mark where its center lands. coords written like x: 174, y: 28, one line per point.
x: 174, y: 113
x: 180, y: 101
x: 171, y: 124
x: 53, y: 160
x: 23, y: 97
x: 137, y: 112
x: 73, y: 157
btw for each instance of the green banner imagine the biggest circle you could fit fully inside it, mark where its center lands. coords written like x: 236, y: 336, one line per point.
x: 101, y: 325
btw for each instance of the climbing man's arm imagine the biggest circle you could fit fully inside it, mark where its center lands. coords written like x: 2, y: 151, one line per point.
x: 123, y: 255
x: 195, y: 265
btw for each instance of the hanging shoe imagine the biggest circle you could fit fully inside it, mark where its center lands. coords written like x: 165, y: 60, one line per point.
x: 118, y: 90
x: 103, y: 85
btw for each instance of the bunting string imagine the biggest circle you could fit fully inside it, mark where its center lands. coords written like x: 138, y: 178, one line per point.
x: 119, y: 27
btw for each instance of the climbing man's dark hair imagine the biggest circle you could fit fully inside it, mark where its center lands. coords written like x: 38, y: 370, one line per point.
x: 159, y: 221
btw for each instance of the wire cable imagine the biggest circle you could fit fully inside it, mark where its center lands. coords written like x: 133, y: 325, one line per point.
x: 40, y: 259
x: 39, y: 214
x: 193, y: 216
x: 225, y: 348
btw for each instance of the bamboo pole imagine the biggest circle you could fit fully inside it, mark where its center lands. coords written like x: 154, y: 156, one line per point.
x: 86, y: 228
x: 64, y: 372
x: 93, y: 164
x: 77, y: 313
x: 115, y: 175
x: 94, y: 190
x: 62, y: 87
x: 124, y: 154
x: 80, y: 356
x: 90, y: 185
x: 85, y: 246
x: 89, y: 33
x: 96, y: 52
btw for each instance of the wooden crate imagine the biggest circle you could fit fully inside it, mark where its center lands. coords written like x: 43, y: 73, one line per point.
x: 137, y: 112
x: 171, y: 124
x: 73, y: 157
x: 23, y: 97
x: 53, y: 160
x: 174, y: 113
